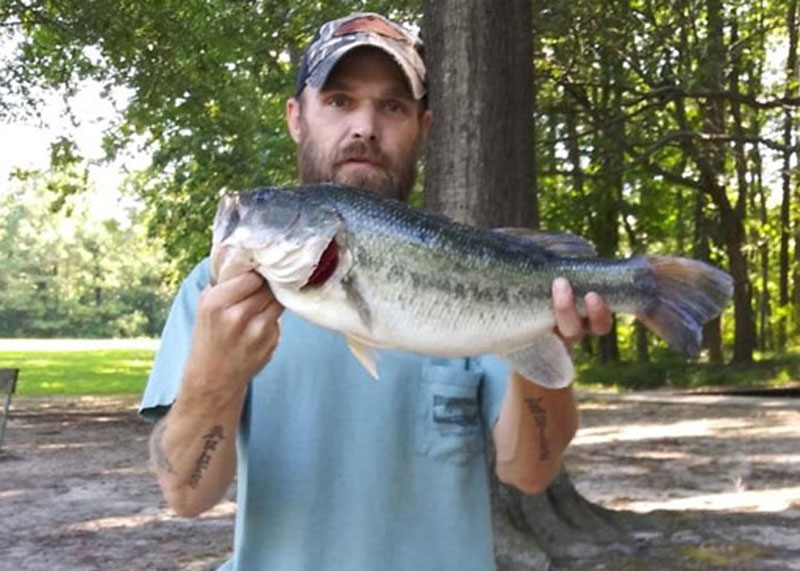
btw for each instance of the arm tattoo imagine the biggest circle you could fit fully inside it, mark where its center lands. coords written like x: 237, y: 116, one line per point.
x: 540, y: 418
x: 211, y: 439
x: 157, y: 454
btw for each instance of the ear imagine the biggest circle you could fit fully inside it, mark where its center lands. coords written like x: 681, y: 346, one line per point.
x: 425, y: 121
x: 293, y: 118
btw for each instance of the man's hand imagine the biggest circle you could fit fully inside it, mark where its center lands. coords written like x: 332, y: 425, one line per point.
x: 236, y: 331
x: 569, y: 324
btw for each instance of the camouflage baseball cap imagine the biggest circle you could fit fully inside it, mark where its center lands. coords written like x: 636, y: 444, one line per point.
x: 337, y: 37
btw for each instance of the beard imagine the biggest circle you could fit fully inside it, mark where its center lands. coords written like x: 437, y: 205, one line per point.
x: 386, y: 177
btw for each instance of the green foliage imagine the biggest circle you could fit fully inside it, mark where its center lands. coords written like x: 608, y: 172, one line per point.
x: 654, y: 119
x: 99, y: 372
x: 67, y: 274
x: 209, y: 82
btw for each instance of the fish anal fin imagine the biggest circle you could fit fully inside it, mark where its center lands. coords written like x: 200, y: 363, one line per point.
x: 366, y: 355
x: 558, y: 243
x: 545, y: 362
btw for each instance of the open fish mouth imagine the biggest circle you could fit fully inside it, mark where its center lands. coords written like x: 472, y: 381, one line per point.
x: 326, y: 266
x: 278, y: 233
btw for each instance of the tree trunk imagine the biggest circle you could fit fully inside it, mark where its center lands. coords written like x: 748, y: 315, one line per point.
x: 786, y: 179
x: 793, y: 76
x: 639, y: 330
x: 764, y: 329
x: 712, y: 333
x: 480, y: 162
x: 742, y: 348
x: 480, y: 169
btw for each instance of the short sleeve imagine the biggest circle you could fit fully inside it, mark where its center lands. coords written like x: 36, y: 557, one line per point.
x: 496, y: 374
x: 165, y: 377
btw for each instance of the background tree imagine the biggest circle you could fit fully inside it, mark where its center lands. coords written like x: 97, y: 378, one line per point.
x: 67, y: 274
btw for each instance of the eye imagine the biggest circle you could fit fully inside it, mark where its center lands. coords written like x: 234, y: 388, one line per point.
x: 338, y: 100
x: 396, y: 106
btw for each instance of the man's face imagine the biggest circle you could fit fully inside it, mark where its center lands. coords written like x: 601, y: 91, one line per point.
x: 363, y: 128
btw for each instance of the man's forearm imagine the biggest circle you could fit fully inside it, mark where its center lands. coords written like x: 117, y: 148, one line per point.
x: 535, y: 426
x: 193, y: 449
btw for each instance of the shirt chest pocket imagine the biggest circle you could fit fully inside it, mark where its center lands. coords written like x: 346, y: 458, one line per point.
x: 449, y: 426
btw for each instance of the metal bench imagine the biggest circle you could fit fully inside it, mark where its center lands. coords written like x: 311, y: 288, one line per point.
x: 8, y: 384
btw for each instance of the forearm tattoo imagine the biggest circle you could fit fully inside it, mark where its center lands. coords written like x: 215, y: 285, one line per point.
x: 540, y: 418
x: 210, y: 441
x: 157, y: 454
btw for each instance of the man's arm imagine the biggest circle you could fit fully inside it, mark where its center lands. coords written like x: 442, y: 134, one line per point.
x: 193, y: 449
x: 536, y: 424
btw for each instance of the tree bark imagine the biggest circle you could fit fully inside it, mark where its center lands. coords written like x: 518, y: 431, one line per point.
x: 480, y: 161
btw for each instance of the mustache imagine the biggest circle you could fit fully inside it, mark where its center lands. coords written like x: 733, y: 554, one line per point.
x: 361, y: 150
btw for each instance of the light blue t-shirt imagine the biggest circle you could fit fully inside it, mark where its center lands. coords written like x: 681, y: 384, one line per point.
x: 339, y: 471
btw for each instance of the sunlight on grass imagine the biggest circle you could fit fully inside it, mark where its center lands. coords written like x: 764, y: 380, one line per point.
x: 74, y: 372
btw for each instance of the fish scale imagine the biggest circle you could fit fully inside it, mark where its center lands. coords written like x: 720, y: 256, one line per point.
x: 397, y: 277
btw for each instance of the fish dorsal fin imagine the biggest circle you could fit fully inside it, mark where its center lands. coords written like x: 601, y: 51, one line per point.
x: 365, y: 354
x: 545, y: 362
x: 559, y: 243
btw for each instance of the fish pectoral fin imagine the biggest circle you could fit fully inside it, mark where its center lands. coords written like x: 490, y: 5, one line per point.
x: 558, y: 243
x: 545, y: 362
x: 365, y: 354
x: 357, y: 300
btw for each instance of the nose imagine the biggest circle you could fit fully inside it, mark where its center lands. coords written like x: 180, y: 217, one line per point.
x: 364, y: 125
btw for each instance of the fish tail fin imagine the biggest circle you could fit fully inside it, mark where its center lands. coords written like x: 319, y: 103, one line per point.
x: 688, y: 293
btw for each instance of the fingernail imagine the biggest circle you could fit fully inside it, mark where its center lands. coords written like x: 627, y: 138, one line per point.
x: 561, y: 285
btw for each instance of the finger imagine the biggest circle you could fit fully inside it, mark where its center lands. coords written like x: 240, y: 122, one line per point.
x: 267, y: 313
x: 568, y: 322
x: 255, y: 303
x: 237, y: 288
x: 600, y: 318
x: 264, y: 328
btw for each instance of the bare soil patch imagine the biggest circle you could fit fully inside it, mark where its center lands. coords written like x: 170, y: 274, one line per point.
x: 75, y: 492
x: 701, y: 482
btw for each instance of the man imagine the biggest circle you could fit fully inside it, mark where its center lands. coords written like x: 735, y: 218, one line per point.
x: 336, y: 470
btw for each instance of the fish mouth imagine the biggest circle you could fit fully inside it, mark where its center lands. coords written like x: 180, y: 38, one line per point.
x: 326, y: 266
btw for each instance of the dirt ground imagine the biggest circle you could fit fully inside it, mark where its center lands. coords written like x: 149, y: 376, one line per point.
x: 75, y: 492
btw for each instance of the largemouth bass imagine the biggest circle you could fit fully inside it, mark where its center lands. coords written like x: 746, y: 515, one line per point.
x: 387, y: 275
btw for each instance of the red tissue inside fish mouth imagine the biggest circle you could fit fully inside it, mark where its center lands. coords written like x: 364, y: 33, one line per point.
x: 326, y: 265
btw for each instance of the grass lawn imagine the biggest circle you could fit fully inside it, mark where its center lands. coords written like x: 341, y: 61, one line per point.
x: 79, y: 372
x: 118, y: 367
x: 672, y: 370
